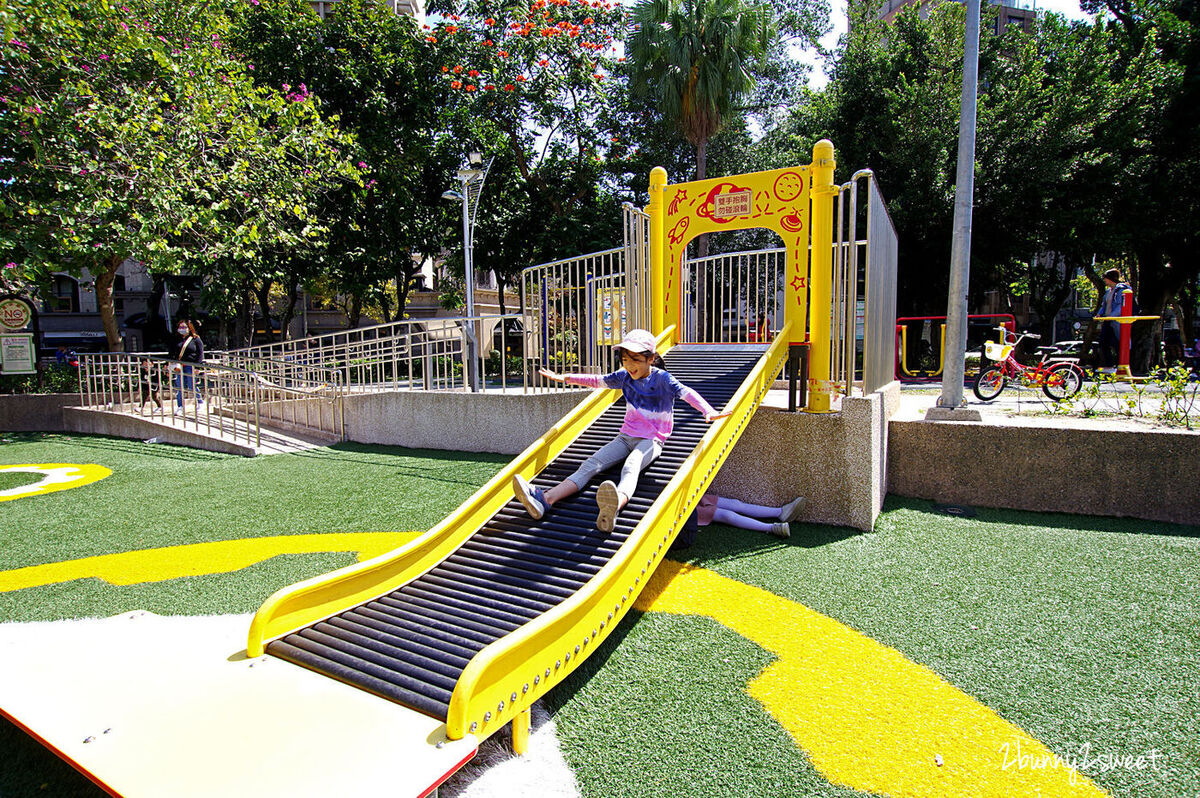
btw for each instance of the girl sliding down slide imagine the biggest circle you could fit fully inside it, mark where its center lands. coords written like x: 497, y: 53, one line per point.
x: 650, y: 394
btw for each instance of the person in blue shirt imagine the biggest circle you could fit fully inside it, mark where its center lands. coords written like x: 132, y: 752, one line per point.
x: 1110, y: 331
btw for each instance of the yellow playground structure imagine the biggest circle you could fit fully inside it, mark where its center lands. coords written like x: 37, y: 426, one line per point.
x: 464, y: 628
x: 481, y: 616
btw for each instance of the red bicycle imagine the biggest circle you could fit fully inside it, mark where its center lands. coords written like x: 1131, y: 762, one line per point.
x: 1058, y: 379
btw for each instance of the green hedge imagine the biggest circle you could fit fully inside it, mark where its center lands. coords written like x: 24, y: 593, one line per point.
x: 55, y: 379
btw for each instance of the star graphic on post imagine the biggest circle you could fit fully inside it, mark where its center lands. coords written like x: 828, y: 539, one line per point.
x: 680, y: 196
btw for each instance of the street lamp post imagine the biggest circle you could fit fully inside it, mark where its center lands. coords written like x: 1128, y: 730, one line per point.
x: 472, y: 179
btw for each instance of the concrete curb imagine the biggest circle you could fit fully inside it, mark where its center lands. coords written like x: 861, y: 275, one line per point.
x: 1151, y: 474
x: 35, y: 412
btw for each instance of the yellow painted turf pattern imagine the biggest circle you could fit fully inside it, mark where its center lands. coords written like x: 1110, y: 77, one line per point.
x: 199, y: 559
x: 867, y: 717
x: 55, y: 476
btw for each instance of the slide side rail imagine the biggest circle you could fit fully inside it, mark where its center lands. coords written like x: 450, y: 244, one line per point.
x: 506, y: 677
x: 312, y: 600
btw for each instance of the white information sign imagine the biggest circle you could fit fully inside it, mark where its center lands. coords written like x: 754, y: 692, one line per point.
x: 17, y: 354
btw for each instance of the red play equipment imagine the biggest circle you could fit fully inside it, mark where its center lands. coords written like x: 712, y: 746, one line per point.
x: 1126, y: 320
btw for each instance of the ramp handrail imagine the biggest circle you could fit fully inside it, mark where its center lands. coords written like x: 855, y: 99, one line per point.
x: 507, y: 676
x: 412, y: 354
x: 216, y: 399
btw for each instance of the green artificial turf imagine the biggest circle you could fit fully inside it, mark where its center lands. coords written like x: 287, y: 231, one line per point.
x: 1079, y: 630
x: 1082, y: 631
x: 17, y: 479
x: 167, y: 496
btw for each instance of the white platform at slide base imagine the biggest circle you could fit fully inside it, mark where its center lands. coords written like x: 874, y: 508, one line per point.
x: 153, y: 706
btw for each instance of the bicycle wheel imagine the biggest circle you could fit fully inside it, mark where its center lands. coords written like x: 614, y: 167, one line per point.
x: 990, y: 383
x: 1063, y: 381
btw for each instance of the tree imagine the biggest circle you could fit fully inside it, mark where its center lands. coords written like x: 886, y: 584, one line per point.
x: 538, y: 82
x: 1156, y: 200
x: 375, y: 71
x: 130, y: 132
x: 697, y: 59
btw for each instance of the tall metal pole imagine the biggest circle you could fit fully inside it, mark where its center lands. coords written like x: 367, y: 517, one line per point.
x: 467, y: 175
x: 964, y: 194
x: 468, y: 244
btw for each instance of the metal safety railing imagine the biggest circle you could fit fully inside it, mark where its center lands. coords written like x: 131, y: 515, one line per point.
x: 733, y: 298
x: 213, y: 399
x: 414, y: 354
x: 637, y: 268
x: 575, y: 309
x: 863, y: 312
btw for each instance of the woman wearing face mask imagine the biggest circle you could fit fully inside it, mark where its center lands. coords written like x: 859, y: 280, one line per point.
x: 191, y: 350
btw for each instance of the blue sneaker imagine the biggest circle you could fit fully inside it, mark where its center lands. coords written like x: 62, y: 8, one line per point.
x: 533, y: 498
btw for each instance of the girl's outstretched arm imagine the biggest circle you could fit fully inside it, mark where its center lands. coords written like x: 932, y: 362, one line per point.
x: 701, y: 404
x: 582, y: 380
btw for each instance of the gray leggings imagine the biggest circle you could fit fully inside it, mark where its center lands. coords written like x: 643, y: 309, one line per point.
x: 636, y: 452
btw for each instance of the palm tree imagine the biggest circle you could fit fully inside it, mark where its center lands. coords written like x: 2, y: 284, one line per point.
x: 695, y: 58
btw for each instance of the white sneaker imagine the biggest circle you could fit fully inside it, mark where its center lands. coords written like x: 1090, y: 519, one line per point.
x: 781, y: 530
x: 791, y: 511
x: 607, y: 501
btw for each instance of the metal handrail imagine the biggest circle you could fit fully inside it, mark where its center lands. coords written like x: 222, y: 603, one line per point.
x: 413, y: 354
x: 226, y: 401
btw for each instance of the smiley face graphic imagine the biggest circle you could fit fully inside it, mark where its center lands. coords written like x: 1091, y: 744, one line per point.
x: 789, y: 186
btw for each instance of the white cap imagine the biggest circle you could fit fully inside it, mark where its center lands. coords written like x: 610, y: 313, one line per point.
x: 637, y: 341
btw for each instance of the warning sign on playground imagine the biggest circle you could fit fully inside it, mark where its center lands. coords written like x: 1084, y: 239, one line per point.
x: 735, y: 203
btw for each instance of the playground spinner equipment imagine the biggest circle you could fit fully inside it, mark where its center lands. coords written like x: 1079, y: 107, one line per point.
x: 486, y: 612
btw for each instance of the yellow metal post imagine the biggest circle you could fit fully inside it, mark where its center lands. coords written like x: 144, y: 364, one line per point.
x: 820, y: 388
x: 658, y: 266
x: 520, y: 731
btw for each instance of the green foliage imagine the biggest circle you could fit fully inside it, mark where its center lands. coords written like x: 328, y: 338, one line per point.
x: 1169, y: 396
x: 1086, y: 290
x: 130, y: 131
x: 55, y: 379
x: 372, y: 70
x: 1080, y: 148
x: 538, y: 89
x: 1180, y: 397
x: 696, y: 59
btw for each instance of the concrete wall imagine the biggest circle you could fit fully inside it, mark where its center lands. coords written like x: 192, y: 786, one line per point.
x: 485, y: 422
x: 107, y: 422
x: 35, y: 412
x: 837, y: 461
x: 1151, y: 474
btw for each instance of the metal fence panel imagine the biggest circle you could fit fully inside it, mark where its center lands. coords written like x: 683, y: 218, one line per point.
x: 879, y: 366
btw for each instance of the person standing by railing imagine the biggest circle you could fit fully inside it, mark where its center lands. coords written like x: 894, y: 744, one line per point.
x: 191, y: 350
x: 1110, y: 331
